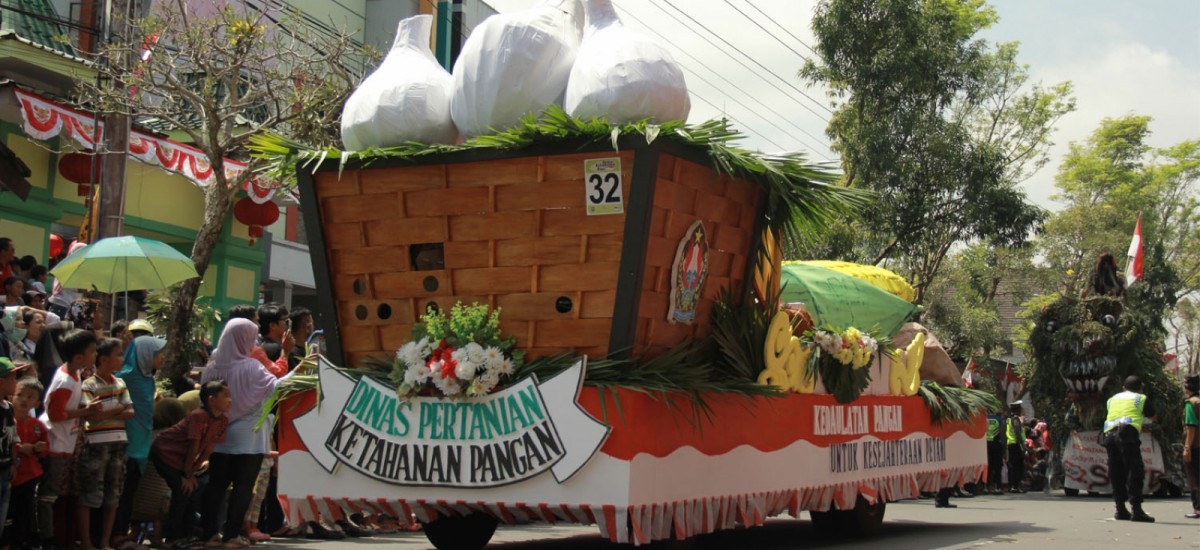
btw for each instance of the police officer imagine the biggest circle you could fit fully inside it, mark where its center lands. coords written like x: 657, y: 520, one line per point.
x: 995, y: 451
x: 1122, y: 438
x: 1014, y: 434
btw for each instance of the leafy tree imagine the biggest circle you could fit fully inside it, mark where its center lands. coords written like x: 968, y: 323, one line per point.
x: 940, y: 124
x: 1187, y: 335
x: 963, y: 308
x: 219, y: 80
x: 1106, y: 182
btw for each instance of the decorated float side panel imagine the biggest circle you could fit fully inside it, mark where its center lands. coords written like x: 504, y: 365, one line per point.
x: 511, y: 233
x: 687, y: 264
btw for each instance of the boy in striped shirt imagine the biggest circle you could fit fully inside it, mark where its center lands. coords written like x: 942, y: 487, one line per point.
x: 101, y: 466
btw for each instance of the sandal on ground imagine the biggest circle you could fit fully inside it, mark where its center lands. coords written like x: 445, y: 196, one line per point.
x: 320, y: 532
x: 288, y: 532
x: 236, y: 542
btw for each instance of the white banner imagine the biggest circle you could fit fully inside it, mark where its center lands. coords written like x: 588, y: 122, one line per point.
x: 498, y: 439
x: 1085, y: 463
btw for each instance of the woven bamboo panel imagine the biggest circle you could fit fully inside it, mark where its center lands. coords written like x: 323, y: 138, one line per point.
x: 514, y: 233
x: 686, y: 192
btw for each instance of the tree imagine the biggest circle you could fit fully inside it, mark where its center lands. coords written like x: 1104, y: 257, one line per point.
x: 940, y: 124
x: 1187, y: 330
x: 963, y: 308
x: 219, y: 80
x: 1106, y: 183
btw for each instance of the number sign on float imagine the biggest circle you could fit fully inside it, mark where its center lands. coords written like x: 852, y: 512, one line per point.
x: 602, y: 183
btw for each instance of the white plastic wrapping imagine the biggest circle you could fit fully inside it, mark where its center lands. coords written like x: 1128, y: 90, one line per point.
x: 514, y: 64
x: 623, y: 75
x: 406, y: 99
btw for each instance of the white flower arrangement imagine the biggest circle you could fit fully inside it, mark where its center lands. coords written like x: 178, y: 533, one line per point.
x: 460, y: 355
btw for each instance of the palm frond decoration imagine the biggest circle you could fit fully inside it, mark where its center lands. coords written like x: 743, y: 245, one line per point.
x: 949, y: 403
x: 803, y: 198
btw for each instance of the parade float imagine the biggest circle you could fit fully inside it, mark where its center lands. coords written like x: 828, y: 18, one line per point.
x: 580, y: 321
x: 1083, y: 348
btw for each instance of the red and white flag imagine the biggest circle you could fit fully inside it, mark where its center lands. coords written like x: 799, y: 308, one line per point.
x: 968, y: 375
x: 1133, y: 268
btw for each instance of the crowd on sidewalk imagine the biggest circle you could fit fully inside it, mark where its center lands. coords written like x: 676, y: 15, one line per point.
x: 94, y: 452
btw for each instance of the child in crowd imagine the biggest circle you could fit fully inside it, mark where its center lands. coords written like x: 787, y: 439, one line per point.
x: 33, y: 447
x: 64, y: 414
x: 101, y: 467
x: 180, y: 454
x: 8, y: 433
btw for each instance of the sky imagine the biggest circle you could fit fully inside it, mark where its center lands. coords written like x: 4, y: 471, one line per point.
x: 740, y: 59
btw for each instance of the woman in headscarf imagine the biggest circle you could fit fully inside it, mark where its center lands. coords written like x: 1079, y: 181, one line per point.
x: 237, y: 460
x: 142, y: 358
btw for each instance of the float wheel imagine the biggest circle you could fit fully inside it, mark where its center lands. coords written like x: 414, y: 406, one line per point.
x: 862, y: 520
x: 1070, y: 492
x: 470, y: 532
x: 830, y: 522
x: 867, y: 518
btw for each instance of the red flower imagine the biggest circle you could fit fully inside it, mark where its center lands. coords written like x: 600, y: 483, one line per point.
x: 448, y: 367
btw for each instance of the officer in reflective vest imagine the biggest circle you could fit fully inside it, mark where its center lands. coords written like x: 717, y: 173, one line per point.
x: 995, y: 451
x: 1122, y: 439
x: 1015, y: 436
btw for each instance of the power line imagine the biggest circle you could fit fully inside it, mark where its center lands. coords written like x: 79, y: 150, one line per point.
x: 764, y: 29
x: 820, y: 143
x: 789, y: 33
x: 719, y: 109
x: 744, y: 54
x: 743, y: 105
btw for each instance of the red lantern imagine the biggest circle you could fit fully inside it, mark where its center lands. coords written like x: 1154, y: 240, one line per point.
x: 255, y: 215
x: 75, y: 167
x: 56, y: 245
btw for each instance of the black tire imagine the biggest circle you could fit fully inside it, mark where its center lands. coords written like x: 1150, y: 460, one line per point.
x: 867, y: 518
x: 470, y: 532
x: 1070, y: 492
x: 830, y: 523
x: 1174, y: 491
x: 863, y: 520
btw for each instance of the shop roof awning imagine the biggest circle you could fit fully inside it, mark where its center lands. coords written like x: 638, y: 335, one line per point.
x: 45, y: 118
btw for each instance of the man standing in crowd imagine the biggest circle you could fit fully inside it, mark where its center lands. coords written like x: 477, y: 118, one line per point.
x: 1015, y: 436
x: 1122, y: 438
x: 1191, y: 442
x: 995, y: 451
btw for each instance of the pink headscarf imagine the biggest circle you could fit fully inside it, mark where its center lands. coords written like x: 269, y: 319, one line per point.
x: 58, y: 290
x: 249, y: 383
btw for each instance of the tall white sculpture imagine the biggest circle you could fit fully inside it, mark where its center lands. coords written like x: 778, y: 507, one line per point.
x: 406, y: 99
x: 514, y: 64
x: 623, y: 75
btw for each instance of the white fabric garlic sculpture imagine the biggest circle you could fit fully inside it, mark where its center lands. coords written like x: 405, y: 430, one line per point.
x: 406, y: 99
x: 514, y: 64
x: 623, y: 75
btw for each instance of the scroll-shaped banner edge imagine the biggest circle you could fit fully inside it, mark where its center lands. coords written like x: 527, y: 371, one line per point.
x: 560, y: 394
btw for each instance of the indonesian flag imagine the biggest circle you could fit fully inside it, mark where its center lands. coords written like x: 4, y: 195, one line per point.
x: 1010, y: 377
x: 968, y: 375
x: 1133, y: 269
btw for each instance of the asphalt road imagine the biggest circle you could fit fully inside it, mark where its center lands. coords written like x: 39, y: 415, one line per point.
x: 1034, y: 520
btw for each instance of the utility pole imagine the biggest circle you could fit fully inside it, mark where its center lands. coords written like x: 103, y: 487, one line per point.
x: 111, y: 210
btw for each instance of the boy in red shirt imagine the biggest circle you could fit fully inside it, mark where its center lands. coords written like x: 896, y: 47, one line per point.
x: 64, y: 415
x: 180, y: 454
x: 33, y: 446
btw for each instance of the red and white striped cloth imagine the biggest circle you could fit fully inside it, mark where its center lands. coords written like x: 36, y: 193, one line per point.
x: 644, y: 523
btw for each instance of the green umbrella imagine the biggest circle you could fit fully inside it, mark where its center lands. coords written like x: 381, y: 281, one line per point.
x: 843, y: 301
x: 119, y: 264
